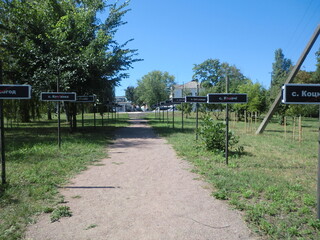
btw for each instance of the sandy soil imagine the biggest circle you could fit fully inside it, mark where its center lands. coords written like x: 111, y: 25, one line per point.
x: 141, y: 191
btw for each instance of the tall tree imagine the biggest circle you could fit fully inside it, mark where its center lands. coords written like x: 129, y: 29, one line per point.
x: 154, y: 87
x: 130, y: 94
x: 212, y: 74
x: 208, y: 73
x: 63, y: 43
x: 316, y: 75
x: 257, y: 98
x: 280, y: 70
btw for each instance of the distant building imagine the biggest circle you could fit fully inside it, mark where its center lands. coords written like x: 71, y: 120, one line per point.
x: 186, y: 89
x: 124, y: 105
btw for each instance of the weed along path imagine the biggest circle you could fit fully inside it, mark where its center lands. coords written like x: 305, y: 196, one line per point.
x: 141, y: 191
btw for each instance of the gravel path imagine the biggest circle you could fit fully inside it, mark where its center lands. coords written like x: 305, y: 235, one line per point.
x: 141, y: 191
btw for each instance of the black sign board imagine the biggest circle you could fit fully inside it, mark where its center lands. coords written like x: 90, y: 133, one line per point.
x: 219, y: 98
x: 58, y: 96
x: 89, y: 98
x: 301, y: 94
x: 196, y: 99
x: 15, y: 91
x: 178, y: 100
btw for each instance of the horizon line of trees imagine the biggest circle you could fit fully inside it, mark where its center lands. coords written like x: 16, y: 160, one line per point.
x: 156, y: 86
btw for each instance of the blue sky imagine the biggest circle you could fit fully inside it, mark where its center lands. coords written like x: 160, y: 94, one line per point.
x: 173, y: 35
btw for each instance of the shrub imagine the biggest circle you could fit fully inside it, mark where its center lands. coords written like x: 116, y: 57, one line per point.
x: 213, y: 135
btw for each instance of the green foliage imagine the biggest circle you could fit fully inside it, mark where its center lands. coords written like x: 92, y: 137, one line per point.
x: 186, y: 108
x: 316, y: 75
x: 272, y: 183
x: 257, y: 98
x: 130, y: 94
x: 213, y: 135
x: 154, y: 87
x: 212, y: 74
x: 36, y: 167
x: 280, y: 70
x: 63, y: 42
x: 91, y: 226
x: 59, y: 212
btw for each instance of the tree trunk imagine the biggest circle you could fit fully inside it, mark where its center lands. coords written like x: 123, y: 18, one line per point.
x: 24, y: 111
x: 67, y: 111
x: 74, y: 114
x: 49, y: 109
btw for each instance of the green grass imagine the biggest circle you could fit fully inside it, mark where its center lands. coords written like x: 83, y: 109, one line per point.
x: 36, y: 167
x: 273, y: 182
x: 59, y: 212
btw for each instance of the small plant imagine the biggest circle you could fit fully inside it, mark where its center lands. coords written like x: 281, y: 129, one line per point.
x: 213, y: 135
x: 91, y: 226
x: 76, y: 197
x: 61, y: 211
x: 48, y: 210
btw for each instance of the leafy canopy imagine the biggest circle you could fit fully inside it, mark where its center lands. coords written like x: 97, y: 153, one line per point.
x: 154, y: 87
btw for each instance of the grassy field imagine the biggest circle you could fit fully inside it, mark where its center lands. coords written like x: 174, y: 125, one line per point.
x: 36, y: 167
x: 273, y: 182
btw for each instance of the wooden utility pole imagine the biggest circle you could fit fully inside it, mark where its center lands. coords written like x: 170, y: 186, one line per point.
x: 291, y: 76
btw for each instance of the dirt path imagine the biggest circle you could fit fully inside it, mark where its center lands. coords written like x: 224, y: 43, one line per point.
x: 141, y: 191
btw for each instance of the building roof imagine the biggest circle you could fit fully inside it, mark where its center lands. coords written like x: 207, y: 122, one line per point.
x: 191, y: 84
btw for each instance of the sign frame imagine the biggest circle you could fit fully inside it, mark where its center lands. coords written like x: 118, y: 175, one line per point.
x: 295, y: 94
x: 59, y: 93
x: 230, y: 95
x: 193, y: 99
x: 178, y: 100
x: 23, y: 86
x: 94, y: 99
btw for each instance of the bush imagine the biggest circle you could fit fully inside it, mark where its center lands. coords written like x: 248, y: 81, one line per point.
x: 213, y: 135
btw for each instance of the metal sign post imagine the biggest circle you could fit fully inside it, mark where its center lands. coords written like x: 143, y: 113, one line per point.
x: 221, y: 98
x: 94, y: 115
x: 305, y: 94
x: 85, y: 99
x: 3, y: 157
x: 173, y: 116
x: 9, y: 92
x: 318, y: 185
x: 197, y: 100
x: 161, y: 108
x: 58, y: 97
x: 82, y: 114
x: 176, y: 101
x: 182, y: 116
x: 227, y: 124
